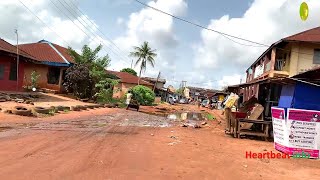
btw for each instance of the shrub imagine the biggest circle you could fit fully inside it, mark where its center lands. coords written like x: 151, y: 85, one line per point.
x: 105, y: 90
x: 79, y: 81
x: 34, y: 79
x: 130, y: 71
x: 144, y: 95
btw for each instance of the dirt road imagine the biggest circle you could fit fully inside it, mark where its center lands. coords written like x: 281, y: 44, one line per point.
x: 120, y: 144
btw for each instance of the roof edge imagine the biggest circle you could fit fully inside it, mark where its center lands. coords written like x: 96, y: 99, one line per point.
x: 55, y: 49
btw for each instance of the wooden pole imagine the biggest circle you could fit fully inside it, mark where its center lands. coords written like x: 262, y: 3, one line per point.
x: 154, y: 87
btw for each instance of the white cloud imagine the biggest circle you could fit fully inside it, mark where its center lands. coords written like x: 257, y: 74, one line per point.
x: 57, y: 28
x: 263, y: 22
x: 157, y: 29
x: 229, y: 80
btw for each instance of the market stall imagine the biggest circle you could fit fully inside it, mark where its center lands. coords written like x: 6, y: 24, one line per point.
x: 296, y: 121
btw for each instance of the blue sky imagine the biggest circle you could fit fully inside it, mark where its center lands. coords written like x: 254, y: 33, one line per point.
x: 185, y: 52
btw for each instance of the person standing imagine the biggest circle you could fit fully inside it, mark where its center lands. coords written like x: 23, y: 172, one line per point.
x: 129, y: 96
x: 199, y: 103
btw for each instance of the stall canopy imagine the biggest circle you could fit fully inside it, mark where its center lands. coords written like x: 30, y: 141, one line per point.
x: 300, y: 96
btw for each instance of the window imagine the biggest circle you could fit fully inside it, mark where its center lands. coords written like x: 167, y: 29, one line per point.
x: 53, y: 75
x: 1, y: 72
x: 316, y: 56
x: 13, y: 71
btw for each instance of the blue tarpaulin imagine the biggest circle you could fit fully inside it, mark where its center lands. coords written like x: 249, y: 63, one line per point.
x: 306, y: 96
x: 300, y: 96
x: 286, y: 97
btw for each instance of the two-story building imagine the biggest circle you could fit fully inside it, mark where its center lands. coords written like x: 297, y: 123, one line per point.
x: 285, y: 58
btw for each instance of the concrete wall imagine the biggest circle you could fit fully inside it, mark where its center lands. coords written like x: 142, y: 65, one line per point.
x: 5, y: 83
x: 122, y: 88
x: 301, y: 58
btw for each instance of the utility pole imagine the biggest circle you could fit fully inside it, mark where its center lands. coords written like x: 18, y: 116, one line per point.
x: 16, y: 31
x: 131, y: 63
x: 184, y: 84
x: 154, y: 87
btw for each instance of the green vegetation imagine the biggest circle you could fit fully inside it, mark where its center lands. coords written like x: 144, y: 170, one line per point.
x: 209, y: 116
x: 129, y: 70
x: 88, y: 78
x: 34, y: 79
x: 145, y: 55
x: 51, y: 112
x: 144, y: 95
x: 180, y: 91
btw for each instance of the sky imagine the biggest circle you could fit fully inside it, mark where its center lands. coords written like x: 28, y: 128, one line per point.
x: 185, y: 52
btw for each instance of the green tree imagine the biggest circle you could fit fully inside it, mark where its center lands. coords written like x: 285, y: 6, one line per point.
x: 89, y: 77
x: 180, y: 91
x: 145, y: 55
x: 129, y: 70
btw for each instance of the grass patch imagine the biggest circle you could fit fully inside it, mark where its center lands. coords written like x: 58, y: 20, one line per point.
x: 209, y: 116
x: 66, y: 110
x: 51, y: 112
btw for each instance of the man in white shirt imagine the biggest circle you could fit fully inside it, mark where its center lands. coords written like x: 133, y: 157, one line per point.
x: 129, y: 96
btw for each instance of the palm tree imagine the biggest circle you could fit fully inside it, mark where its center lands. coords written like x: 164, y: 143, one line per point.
x: 145, y: 55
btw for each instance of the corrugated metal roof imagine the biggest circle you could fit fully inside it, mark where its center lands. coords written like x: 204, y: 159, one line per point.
x: 129, y: 78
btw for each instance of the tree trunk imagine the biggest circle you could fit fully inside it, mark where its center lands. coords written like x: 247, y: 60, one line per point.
x: 139, y: 75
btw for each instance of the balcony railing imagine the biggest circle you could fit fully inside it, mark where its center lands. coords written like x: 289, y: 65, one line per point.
x: 279, y: 64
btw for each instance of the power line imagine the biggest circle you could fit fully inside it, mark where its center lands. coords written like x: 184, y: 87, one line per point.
x: 75, y: 23
x: 91, y: 29
x: 81, y: 12
x: 203, y: 27
x: 43, y: 22
x: 219, y: 32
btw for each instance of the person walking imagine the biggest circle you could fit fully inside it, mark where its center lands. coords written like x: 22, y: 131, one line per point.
x: 129, y: 96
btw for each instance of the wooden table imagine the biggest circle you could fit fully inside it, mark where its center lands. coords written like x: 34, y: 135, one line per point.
x: 266, y: 125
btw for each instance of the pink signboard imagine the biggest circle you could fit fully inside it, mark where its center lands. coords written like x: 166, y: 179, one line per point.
x: 297, y: 133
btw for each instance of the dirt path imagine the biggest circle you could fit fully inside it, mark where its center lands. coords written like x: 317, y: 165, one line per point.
x: 120, y: 144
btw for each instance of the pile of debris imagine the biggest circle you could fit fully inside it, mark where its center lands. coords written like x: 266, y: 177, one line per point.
x: 19, y: 98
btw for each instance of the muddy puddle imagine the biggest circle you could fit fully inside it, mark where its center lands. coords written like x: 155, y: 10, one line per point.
x: 187, y: 118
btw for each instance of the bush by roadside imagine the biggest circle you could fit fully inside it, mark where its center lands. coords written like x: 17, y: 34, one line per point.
x: 144, y: 95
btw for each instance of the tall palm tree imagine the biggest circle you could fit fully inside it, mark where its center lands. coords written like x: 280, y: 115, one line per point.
x: 145, y: 55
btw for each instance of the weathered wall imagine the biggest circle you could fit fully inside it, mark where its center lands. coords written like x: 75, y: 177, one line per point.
x: 122, y: 88
x: 43, y: 80
x: 5, y: 83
